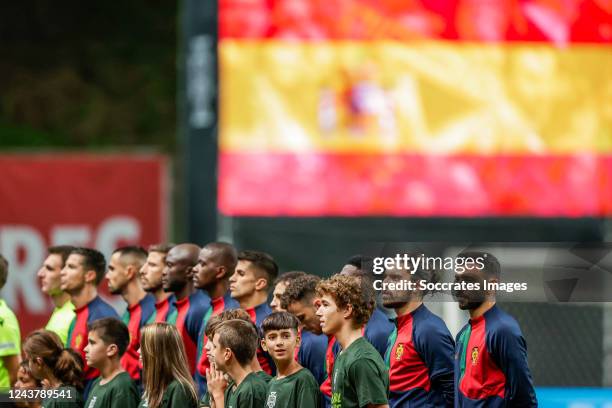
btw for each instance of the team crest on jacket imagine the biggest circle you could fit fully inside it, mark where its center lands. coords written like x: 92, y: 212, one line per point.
x: 474, y: 355
x: 272, y: 400
x: 399, y: 351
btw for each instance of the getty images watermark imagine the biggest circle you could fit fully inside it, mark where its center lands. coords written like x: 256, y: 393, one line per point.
x: 460, y: 265
x: 516, y: 271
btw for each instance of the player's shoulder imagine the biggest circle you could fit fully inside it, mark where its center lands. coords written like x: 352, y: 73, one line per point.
x: 310, y: 340
x: 263, y: 310
x: 254, y: 384
x: 380, y: 320
x: 199, y: 298
x: 148, y: 301
x: 428, y: 325
x: 361, y: 350
x: 377, y: 329
x: 99, y: 309
x: 427, y: 319
x: 500, y: 323
x: 305, y: 378
x: 366, y: 361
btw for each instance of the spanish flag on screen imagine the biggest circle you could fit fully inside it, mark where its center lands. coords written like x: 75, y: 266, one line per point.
x: 415, y: 108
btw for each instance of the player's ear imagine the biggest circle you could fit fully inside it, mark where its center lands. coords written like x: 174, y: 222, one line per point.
x: 348, y: 311
x: 263, y: 344
x: 261, y: 284
x: 90, y: 276
x: 111, y: 350
x: 131, y: 272
x: 222, y: 273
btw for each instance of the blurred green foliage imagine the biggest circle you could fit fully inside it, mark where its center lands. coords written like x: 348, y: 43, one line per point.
x: 88, y: 74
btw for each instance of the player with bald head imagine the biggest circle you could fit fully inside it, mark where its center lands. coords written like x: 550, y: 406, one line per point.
x: 190, y: 304
x: 216, y: 263
x: 123, y: 277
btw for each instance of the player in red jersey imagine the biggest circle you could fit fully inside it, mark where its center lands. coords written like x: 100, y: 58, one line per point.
x: 151, y: 279
x: 83, y: 272
x: 123, y: 279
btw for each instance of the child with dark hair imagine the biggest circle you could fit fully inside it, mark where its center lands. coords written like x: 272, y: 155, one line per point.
x: 216, y: 379
x: 108, y: 340
x: 294, y: 386
x: 234, y: 344
x: 58, y: 367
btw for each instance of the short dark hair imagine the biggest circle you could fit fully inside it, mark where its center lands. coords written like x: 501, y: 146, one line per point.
x: 263, y: 262
x: 92, y: 260
x: 112, y: 331
x: 137, y: 253
x: 279, y: 321
x: 4, y: 267
x: 240, y: 337
x: 491, y: 264
x: 225, y: 255
x: 131, y: 250
x: 288, y: 276
x: 163, y: 248
x: 61, y: 250
x: 300, y: 289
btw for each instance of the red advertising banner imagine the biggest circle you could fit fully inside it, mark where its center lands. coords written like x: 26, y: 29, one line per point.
x: 101, y: 201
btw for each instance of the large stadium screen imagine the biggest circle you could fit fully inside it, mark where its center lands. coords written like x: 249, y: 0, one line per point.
x: 415, y: 108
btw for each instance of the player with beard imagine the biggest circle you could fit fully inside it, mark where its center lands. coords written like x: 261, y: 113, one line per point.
x: 491, y: 367
x: 80, y: 277
x: 250, y: 285
x: 280, y: 285
x: 216, y: 263
x: 420, y: 355
x: 191, y: 304
x: 151, y: 281
x: 123, y: 279
x: 49, y: 277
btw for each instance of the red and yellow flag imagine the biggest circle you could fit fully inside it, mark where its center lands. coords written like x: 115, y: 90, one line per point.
x: 415, y: 108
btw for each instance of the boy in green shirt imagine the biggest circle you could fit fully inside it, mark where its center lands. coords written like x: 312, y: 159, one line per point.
x: 294, y: 386
x: 108, y: 339
x: 360, y: 378
x: 234, y: 345
x: 221, y: 382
